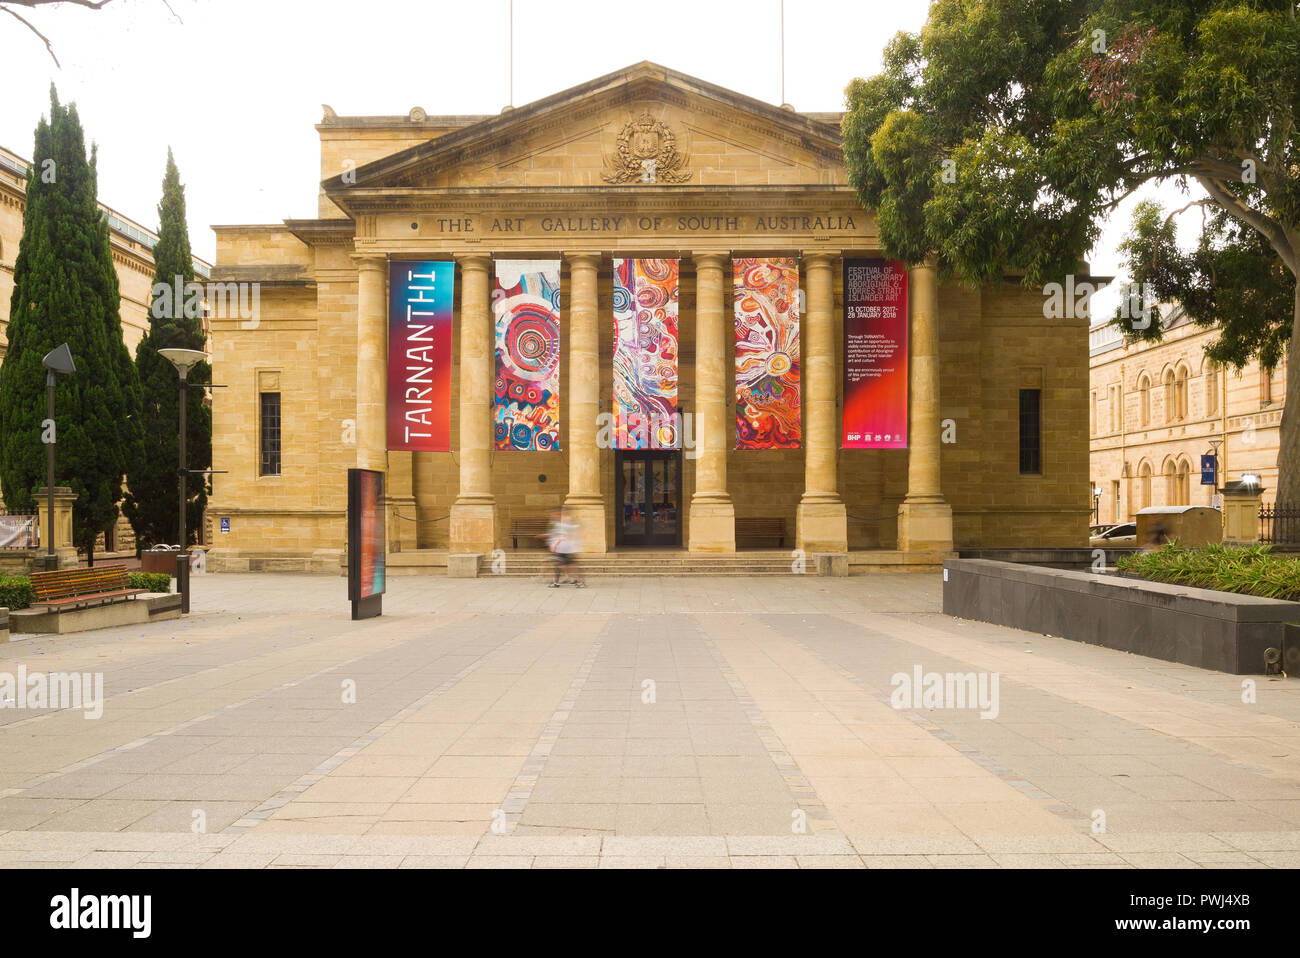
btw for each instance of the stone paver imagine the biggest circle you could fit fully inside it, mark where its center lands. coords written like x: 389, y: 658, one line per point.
x: 665, y: 723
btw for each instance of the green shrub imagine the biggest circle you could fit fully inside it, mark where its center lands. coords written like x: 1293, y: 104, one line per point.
x: 152, y: 581
x: 15, y: 592
x: 1251, y: 570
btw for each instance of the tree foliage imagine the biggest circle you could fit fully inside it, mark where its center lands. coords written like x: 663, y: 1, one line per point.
x: 151, y: 504
x: 1233, y: 282
x: 65, y: 290
x: 999, y: 137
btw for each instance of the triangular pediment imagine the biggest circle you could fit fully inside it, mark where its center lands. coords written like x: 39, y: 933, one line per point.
x: 645, y: 124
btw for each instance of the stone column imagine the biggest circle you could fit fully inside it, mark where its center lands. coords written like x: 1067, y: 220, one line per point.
x: 924, y: 518
x: 821, y: 522
x: 713, y: 517
x: 473, y: 514
x: 372, y: 361
x: 584, y: 503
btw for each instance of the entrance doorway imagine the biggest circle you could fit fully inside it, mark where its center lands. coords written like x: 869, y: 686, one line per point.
x: 649, y: 497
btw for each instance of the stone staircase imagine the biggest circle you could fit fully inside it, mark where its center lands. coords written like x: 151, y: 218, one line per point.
x: 640, y: 563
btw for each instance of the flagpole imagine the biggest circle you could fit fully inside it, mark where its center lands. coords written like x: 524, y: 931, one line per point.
x: 782, y: 51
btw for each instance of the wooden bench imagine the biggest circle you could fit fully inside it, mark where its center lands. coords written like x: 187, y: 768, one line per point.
x: 82, y: 588
x: 761, y: 528
x: 528, y: 526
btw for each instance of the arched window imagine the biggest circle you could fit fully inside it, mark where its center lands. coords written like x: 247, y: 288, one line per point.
x: 1211, y: 389
x: 1183, y: 484
x: 1144, y: 400
x: 1171, y: 483
x: 1144, y: 486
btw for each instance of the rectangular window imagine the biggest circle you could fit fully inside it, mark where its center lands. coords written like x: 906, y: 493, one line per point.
x: 270, y: 434
x: 1031, y: 460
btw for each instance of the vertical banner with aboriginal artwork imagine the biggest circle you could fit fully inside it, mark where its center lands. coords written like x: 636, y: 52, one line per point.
x: 875, y: 354
x: 419, y: 354
x: 526, y: 304
x: 766, y: 293
x: 645, y: 354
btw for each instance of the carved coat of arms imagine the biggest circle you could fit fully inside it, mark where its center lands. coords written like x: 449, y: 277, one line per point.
x: 647, y: 153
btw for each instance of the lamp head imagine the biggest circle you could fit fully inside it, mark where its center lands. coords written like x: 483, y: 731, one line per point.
x: 183, y: 359
x: 59, y: 360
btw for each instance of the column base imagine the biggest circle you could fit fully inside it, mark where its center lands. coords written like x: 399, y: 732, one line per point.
x: 401, y: 533
x: 472, y: 526
x: 712, y: 525
x: 589, y: 515
x: 822, y: 525
x: 925, y: 526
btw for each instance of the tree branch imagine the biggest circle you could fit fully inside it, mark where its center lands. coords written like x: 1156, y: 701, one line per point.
x: 1267, y: 227
x: 44, y: 39
x: 92, y: 4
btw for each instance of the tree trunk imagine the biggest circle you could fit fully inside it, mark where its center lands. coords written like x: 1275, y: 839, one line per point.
x: 1288, y: 451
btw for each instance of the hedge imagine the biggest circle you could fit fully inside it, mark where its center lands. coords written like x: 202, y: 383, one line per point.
x: 151, y: 581
x: 15, y: 592
x: 1250, y: 570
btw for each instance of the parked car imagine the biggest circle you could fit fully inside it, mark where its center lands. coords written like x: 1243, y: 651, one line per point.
x: 1124, y: 534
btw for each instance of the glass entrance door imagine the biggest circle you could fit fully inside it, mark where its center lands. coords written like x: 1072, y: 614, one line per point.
x: 649, y: 498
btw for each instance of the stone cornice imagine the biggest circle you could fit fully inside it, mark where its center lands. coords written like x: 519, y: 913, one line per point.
x: 650, y: 198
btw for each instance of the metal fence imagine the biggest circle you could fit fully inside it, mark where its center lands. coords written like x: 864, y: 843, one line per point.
x: 1279, y: 524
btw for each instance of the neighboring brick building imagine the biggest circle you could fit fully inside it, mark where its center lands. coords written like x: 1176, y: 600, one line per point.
x: 1156, y: 408
x: 307, y: 379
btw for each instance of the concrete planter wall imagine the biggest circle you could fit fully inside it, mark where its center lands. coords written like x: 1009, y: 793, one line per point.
x: 1202, y: 627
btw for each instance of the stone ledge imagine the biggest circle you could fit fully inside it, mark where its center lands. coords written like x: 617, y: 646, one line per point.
x: 149, y: 607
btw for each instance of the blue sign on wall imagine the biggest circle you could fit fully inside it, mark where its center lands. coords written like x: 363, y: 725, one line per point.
x: 225, y: 523
x: 1209, y: 468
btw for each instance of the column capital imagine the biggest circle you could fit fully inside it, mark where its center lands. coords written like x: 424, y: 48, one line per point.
x: 369, y: 259
x: 473, y: 260
x: 711, y: 257
x: 818, y: 257
x: 585, y: 258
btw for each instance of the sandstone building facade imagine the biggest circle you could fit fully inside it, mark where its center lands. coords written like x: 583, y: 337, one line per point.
x: 996, y: 453
x: 1156, y: 408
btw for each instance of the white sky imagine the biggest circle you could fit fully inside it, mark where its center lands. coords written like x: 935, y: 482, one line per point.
x: 236, y: 86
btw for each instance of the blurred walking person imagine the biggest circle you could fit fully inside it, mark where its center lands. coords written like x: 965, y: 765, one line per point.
x: 565, y: 545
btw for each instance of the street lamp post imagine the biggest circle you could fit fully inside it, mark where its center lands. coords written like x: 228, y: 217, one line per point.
x: 57, y: 360
x: 183, y: 360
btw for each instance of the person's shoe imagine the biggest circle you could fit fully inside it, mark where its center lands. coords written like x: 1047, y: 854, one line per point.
x: 553, y: 585
x: 581, y: 585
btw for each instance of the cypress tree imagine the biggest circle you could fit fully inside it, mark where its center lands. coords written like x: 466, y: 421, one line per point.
x: 65, y: 290
x: 174, y: 322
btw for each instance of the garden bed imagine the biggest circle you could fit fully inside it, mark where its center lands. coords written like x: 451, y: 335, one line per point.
x: 16, y: 590
x: 1177, y: 622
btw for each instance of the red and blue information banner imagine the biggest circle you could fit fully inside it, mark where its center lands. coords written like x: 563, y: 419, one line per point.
x: 875, y: 354
x: 420, y: 296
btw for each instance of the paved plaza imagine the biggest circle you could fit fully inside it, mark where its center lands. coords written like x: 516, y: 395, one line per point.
x: 699, y: 722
